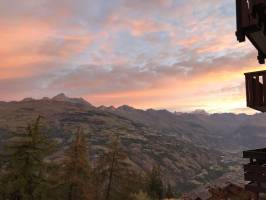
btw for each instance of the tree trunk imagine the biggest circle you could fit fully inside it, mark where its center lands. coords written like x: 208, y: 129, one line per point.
x: 110, y: 178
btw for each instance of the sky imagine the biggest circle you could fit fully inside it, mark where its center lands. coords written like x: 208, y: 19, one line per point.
x: 180, y: 55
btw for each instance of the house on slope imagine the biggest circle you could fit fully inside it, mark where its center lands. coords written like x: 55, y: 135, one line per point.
x: 251, y: 24
x: 229, y: 191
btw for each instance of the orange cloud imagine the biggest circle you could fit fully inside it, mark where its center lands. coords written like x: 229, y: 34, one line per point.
x: 18, y: 47
x: 27, y: 45
x: 217, y: 89
x: 19, y: 41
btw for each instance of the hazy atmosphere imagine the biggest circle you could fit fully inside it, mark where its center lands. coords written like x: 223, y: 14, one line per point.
x: 132, y: 100
x: 152, y: 53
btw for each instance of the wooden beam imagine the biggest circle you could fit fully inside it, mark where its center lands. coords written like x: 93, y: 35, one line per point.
x: 247, y: 77
x: 264, y: 90
x: 254, y: 168
x: 255, y: 177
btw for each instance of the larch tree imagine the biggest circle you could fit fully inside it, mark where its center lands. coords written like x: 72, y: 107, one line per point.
x: 115, y: 172
x: 155, y: 184
x: 23, y: 172
x: 77, y: 170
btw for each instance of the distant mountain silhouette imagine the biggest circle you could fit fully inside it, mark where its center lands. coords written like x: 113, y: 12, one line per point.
x: 226, y: 131
x: 184, y: 144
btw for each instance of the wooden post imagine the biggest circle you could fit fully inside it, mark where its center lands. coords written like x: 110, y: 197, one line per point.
x: 251, y: 91
x: 259, y: 91
x: 264, y: 89
x: 248, y: 90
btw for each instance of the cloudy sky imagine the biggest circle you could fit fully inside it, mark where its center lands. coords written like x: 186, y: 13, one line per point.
x: 173, y: 54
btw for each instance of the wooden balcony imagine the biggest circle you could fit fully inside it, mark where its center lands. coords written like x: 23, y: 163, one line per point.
x: 256, y: 90
x: 255, y: 171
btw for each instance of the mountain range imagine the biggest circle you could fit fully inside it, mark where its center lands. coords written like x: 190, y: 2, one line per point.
x: 191, y: 148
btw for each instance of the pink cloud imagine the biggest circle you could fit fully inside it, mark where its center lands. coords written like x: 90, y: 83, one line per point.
x: 173, y: 53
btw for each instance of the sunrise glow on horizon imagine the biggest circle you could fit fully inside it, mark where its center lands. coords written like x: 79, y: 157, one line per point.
x: 180, y: 55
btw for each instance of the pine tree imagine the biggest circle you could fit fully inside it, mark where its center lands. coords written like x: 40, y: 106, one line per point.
x: 155, y: 184
x: 76, y: 170
x: 23, y: 173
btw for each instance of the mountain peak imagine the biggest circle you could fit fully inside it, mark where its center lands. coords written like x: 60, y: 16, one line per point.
x: 110, y: 108
x: 60, y: 97
x: 27, y: 99
x: 200, y: 112
x: 125, y: 108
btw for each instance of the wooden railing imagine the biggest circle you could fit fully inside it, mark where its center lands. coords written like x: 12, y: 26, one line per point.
x: 255, y: 171
x: 256, y: 90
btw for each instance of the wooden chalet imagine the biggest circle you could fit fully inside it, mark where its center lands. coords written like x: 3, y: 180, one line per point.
x: 251, y: 24
x: 255, y: 170
x: 227, y: 192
